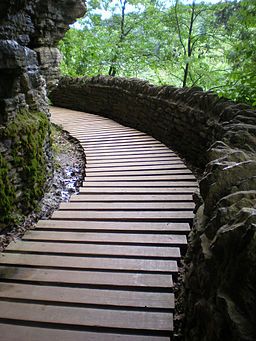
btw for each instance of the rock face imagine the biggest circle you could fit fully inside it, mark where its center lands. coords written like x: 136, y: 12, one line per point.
x: 219, y: 137
x: 29, y: 31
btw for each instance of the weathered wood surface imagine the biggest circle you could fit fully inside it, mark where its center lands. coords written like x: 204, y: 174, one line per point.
x: 102, y: 268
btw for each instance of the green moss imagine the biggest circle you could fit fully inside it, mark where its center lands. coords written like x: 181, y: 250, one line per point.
x: 7, y: 192
x: 26, y: 136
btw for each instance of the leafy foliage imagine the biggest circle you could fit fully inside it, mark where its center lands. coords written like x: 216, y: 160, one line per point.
x: 241, y: 56
x: 168, y: 42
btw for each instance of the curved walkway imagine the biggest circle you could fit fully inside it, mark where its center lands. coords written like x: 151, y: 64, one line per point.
x: 103, y: 267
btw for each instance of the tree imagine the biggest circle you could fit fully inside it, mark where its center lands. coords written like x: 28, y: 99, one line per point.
x: 123, y: 33
x: 168, y: 42
x: 240, y: 23
x: 188, y: 48
x: 195, y: 50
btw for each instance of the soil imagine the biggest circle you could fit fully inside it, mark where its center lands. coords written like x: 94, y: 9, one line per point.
x: 179, y: 315
x: 69, y: 171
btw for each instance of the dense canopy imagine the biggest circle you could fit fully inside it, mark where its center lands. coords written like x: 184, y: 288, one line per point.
x: 183, y: 43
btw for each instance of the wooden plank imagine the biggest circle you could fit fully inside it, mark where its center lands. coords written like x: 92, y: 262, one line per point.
x: 132, y: 144
x: 118, y: 129
x: 104, y: 124
x: 82, y: 125
x: 124, y: 215
x: 106, y: 136
x: 99, y: 124
x: 138, y: 177
x: 112, y: 137
x: 96, y: 250
x: 90, y: 278
x: 113, y: 226
x: 107, y: 132
x: 139, y: 172
x: 118, y: 238
x: 126, y: 205
x: 92, y: 182
x: 131, y: 160
x: 100, y: 137
x: 131, y: 197
x: 116, y: 140
x: 125, y: 143
x: 99, y: 263
x: 86, y: 317
x: 139, y: 190
x: 158, y: 177
x: 121, y: 142
x: 132, y: 156
x: 115, y: 137
x: 127, y: 149
x: 12, y: 332
x: 104, y: 128
x: 97, y: 128
x: 85, y: 296
x: 130, y: 151
x: 94, y: 125
x: 152, y: 168
x: 136, y: 163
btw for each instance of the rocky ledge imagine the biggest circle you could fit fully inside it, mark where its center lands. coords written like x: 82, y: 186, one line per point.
x: 29, y: 32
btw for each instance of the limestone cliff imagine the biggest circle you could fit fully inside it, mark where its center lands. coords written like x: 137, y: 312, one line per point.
x: 29, y: 32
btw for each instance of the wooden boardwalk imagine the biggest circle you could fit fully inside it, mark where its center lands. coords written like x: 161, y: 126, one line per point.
x: 103, y: 267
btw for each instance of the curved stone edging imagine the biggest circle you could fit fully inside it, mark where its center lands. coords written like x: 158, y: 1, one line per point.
x: 218, y: 136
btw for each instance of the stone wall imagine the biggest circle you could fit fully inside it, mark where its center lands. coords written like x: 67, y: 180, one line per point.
x: 219, y: 137
x: 29, y: 31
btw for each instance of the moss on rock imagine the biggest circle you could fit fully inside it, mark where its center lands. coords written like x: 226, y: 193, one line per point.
x: 23, y: 171
x: 7, y: 191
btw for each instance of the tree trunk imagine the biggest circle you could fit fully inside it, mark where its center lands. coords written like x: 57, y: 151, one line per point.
x: 189, y: 45
x: 112, y: 71
x: 185, y: 77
